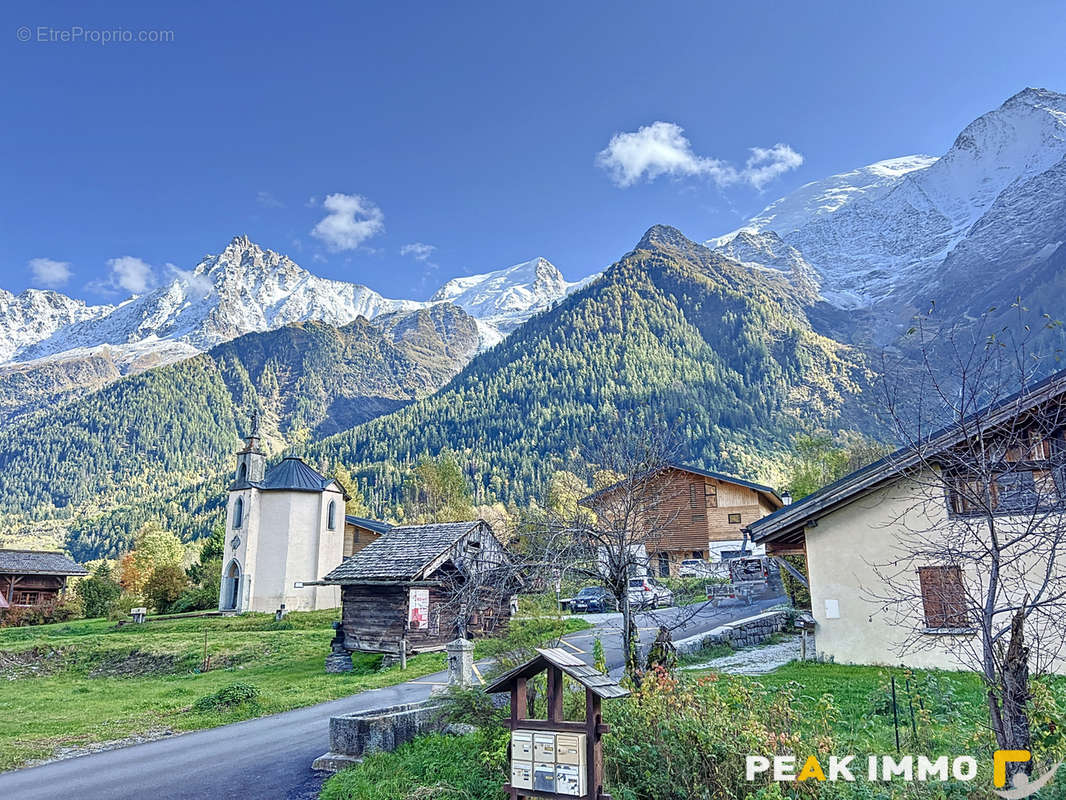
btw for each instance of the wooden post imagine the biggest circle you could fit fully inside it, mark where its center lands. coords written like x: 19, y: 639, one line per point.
x: 555, y: 694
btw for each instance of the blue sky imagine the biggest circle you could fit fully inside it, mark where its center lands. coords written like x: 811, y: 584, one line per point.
x: 458, y: 138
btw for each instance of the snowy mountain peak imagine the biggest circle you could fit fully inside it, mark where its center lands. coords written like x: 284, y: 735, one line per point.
x: 507, y: 297
x: 243, y: 289
x: 883, y: 231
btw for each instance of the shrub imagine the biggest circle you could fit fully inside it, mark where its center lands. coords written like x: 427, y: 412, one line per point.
x: 165, y: 585
x: 686, y: 739
x: 120, y: 607
x: 99, y: 591
x: 228, y: 697
x: 57, y: 611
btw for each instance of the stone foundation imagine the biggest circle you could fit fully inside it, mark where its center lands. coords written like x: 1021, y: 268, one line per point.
x: 742, y: 633
x: 353, y: 736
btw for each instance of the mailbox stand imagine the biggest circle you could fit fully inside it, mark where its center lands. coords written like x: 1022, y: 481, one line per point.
x: 554, y: 758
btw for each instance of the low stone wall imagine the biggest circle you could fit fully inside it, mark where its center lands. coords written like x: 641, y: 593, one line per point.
x: 353, y: 736
x: 742, y: 633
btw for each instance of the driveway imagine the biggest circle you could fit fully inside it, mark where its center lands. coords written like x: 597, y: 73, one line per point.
x: 270, y: 757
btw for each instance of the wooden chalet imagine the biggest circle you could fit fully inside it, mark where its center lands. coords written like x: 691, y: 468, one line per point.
x: 403, y: 586
x: 34, y: 577
x: 361, y: 531
x: 707, y: 512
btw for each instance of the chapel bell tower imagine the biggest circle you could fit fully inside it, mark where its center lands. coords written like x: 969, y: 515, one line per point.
x: 251, y: 461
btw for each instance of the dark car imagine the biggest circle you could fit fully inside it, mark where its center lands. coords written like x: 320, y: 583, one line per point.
x: 592, y: 599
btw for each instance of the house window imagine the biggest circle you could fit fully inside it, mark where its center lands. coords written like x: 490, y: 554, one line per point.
x: 943, y: 597
x: 693, y: 496
x: 242, y: 472
x: 27, y: 598
x: 331, y: 515
x: 699, y: 517
x: 734, y: 519
x: 238, y: 513
x: 1015, y: 491
x: 712, y: 496
x: 697, y: 554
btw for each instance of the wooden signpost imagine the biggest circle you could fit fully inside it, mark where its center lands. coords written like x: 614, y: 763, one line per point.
x: 555, y: 758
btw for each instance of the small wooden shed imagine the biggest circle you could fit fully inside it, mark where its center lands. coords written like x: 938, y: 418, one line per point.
x: 556, y: 758
x: 34, y: 577
x: 401, y: 587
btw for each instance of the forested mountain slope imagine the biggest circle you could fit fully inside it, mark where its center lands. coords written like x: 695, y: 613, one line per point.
x: 146, y: 437
x: 673, y: 334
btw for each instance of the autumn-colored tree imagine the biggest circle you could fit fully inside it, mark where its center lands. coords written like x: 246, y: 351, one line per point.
x: 165, y: 585
x: 153, y: 547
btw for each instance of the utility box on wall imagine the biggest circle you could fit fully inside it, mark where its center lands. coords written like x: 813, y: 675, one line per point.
x: 556, y: 757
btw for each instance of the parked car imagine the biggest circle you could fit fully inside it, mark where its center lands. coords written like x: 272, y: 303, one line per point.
x: 646, y: 593
x: 696, y: 568
x: 592, y: 599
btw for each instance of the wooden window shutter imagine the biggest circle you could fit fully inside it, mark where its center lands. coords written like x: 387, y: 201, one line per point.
x: 943, y: 597
x: 693, y: 498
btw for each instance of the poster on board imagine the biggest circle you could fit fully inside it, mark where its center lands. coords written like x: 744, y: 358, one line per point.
x: 418, y: 610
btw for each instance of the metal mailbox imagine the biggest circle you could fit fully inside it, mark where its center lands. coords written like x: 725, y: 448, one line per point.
x: 570, y: 748
x: 522, y: 745
x: 570, y: 780
x: 544, y: 777
x: 522, y: 774
x: 544, y: 747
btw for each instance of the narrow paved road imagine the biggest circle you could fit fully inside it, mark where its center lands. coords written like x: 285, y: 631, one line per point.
x: 270, y: 757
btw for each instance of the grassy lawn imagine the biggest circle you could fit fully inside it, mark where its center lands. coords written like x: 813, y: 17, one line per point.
x: 76, y: 683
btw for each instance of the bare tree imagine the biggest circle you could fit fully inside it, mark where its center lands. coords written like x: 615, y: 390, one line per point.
x: 607, y: 539
x: 978, y: 569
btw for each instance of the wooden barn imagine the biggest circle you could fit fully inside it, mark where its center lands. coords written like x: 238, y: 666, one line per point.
x: 416, y: 583
x: 34, y: 577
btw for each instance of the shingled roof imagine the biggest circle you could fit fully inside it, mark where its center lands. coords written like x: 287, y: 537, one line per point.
x: 291, y: 474
x: 375, y: 525
x: 38, y: 562
x: 402, y: 553
x: 767, y: 491
x: 589, y: 677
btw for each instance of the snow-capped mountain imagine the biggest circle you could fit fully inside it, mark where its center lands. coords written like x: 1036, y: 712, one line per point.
x: 34, y: 315
x: 888, y: 234
x: 508, y: 297
x: 244, y: 289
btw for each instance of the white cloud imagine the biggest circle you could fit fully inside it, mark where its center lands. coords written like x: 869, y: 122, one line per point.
x: 352, y: 219
x: 197, y: 284
x: 418, y: 251
x: 49, y: 272
x: 662, y: 149
x: 267, y: 200
x: 132, y: 274
x: 766, y: 163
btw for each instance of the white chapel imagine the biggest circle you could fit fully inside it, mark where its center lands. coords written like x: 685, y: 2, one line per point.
x: 284, y: 525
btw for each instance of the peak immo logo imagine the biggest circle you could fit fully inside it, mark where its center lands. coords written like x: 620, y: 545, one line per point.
x: 1024, y: 786
x: 905, y: 768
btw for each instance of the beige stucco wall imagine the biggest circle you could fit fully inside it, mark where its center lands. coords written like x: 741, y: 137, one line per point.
x: 848, y: 552
x: 284, y: 539
x: 843, y: 551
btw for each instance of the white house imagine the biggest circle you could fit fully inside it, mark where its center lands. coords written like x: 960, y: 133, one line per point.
x: 896, y: 552
x: 284, y: 525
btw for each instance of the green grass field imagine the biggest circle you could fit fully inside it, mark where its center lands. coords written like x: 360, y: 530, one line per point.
x: 72, y: 684
x: 78, y: 683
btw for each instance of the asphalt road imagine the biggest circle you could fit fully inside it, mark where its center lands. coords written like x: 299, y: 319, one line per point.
x: 270, y: 757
